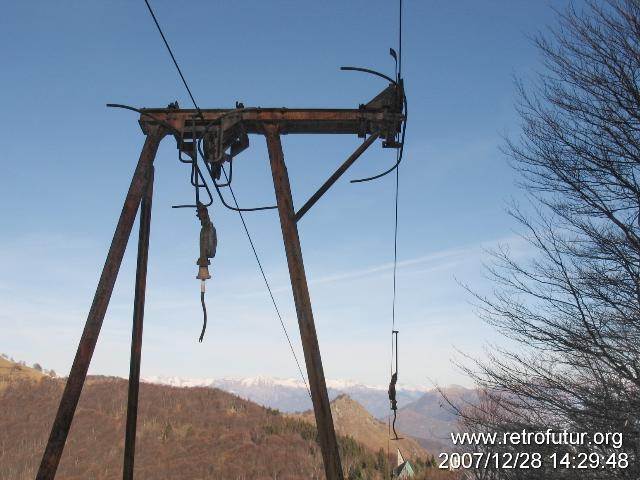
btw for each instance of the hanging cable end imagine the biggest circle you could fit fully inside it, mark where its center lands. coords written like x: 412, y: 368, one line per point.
x: 204, y: 311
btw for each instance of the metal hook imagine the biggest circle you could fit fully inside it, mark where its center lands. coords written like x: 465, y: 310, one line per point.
x: 369, y: 71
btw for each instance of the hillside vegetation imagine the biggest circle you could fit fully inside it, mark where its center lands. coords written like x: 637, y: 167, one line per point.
x: 12, y: 371
x: 186, y: 433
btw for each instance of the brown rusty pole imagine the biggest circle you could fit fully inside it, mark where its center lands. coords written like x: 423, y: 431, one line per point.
x: 315, y: 372
x: 75, y: 382
x: 136, y: 333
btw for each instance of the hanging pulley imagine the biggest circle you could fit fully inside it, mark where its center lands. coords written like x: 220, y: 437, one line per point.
x: 208, y: 245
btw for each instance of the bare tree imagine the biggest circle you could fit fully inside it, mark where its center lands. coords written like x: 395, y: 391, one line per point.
x: 575, y: 307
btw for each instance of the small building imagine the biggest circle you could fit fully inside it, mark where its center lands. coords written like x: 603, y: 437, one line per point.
x: 403, y: 469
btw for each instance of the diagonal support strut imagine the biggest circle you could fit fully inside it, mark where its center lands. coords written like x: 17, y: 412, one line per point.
x: 336, y: 175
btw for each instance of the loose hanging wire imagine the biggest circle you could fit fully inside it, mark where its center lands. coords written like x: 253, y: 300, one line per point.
x: 395, y: 222
x: 395, y: 260
x: 204, y: 311
x: 398, y: 160
x: 237, y: 207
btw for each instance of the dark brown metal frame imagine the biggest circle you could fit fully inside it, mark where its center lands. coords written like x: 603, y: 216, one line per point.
x: 382, y: 117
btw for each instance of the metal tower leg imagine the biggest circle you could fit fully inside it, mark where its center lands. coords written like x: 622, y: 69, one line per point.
x: 136, y: 334
x: 78, y: 374
x: 315, y: 372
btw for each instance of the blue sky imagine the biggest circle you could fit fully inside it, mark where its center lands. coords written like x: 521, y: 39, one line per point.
x: 67, y: 163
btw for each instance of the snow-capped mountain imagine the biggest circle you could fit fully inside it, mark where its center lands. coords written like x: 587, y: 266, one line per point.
x: 290, y: 395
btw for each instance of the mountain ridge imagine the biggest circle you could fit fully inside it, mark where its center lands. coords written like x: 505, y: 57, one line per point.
x: 290, y: 395
x: 352, y: 419
x: 178, y: 381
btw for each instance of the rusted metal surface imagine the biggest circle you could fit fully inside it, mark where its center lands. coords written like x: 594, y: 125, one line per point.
x: 313, y: 360
x: 336, y: 175
x: 339, y: 121
x: 75, y: 382
x: 136, y: 333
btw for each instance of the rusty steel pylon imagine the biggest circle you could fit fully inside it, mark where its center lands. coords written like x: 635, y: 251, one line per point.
x: 223, y: 130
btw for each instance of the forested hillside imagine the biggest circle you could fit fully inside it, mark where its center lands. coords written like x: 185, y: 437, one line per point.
x: 186, y: 433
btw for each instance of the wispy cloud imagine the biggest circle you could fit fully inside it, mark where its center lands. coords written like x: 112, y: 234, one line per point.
x: 447, y: 258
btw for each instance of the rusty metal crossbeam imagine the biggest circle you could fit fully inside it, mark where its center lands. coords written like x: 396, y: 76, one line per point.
x: 288, y: 121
